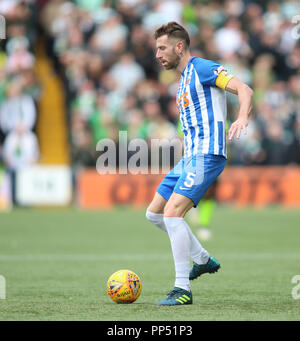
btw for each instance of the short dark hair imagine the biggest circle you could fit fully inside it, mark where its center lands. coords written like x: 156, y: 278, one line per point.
x: 173, y: 30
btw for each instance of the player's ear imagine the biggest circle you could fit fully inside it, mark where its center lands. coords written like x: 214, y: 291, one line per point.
x: 179, y: 47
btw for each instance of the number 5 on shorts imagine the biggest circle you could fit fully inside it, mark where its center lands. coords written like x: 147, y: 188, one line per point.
x: 189, y: 182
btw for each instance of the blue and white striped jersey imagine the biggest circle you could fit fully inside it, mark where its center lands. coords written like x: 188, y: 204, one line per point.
x: 203, y: 108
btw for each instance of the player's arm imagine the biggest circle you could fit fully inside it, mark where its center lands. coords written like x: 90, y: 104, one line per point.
x: 245, y: 94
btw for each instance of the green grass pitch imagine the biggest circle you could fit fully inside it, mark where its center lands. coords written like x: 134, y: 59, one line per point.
x: 56, y: 264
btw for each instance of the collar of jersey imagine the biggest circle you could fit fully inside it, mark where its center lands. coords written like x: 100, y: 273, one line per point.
x: 190, y: 60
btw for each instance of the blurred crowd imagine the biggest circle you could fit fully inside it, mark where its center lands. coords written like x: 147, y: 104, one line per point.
x: 105, y: 53
x: 19, y: 89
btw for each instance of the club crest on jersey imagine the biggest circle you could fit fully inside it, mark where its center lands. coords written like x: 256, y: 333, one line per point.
x: 219, y: 70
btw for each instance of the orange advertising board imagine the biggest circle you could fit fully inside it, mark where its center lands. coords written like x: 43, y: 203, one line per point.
x: 258, y: 186
x: 105, y: 191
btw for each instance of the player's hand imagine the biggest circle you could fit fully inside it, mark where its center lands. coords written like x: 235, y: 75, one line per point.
x: 236, y: 128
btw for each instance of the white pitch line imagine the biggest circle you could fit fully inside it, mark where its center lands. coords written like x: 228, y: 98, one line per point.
x: 81, y: 257
x: 142, y: 257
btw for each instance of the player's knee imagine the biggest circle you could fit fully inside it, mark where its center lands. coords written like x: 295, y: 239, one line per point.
x: 173, y: 211
x: 177, y: 209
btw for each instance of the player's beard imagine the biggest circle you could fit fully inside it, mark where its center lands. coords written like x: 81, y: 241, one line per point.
x: 172, y: 64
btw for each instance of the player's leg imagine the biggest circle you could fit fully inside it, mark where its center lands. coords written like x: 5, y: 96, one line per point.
x: 188, y: 191
x: 184, y: 244
x: 174, y: 213
x: 154, y: 214
x: 200, y: 172
x: 176, y: 208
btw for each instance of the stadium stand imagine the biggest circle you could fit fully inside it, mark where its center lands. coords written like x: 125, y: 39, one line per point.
x: 19, y: 90
x: 104, y: 53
